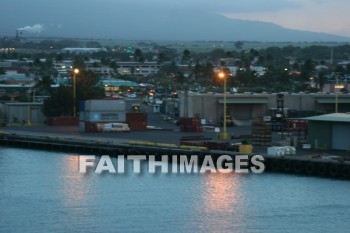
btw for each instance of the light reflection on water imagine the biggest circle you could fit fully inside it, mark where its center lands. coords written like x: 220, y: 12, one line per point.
x: 221, y: 194
x: 75, y: 187
x: 44, y: 192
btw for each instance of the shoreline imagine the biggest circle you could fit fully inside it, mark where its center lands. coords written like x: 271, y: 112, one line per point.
x: 68, y: 139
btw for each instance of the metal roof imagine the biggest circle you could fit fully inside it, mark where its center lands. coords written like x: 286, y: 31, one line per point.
x: 333, y: 117
x: 242, y: 100
x: 341, y: 100
x: 120, y: 82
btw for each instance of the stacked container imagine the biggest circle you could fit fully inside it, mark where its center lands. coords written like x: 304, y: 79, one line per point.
x: 137, y: 121
x: 95, y: 113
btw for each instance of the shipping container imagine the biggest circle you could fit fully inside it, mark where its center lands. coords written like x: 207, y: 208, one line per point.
x: 137, y: 121
x: 136, y: 116
x: 87, y: 127
x: 189, y: 121
x: 90, y: 127
x: 82, y: 106
x: 63, y: 121
x: 138, y: 126
x: 81, y: 126
x: 190, y: 124
x: 81, y: 116
x: 105, y: 116
x: 105, y: 105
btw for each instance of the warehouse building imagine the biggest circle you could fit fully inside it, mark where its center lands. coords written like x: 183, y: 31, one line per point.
x: 330, y: 131
x: 245, y: 107
x: 21, y: 113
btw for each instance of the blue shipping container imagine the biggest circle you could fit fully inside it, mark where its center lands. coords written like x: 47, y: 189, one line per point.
x: 82, y: 106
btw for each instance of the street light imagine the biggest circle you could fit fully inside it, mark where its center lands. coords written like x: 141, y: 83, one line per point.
x: 29, y: 110
x: 336, y: 88
x: 75, y: 72
x: 222, y: 75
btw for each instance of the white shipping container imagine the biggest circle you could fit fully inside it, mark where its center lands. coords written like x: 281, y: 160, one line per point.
x: 81, y: 116
x: 81, y: 126
x: 105, y: 105
x: 105, y: 116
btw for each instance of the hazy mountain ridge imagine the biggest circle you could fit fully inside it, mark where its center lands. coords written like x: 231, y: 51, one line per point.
x: 153, y: 23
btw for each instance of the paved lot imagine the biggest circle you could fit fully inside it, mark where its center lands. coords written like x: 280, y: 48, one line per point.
x: 169, y: 134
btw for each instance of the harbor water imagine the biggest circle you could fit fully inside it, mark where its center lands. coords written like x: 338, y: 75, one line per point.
x: 43, y: 191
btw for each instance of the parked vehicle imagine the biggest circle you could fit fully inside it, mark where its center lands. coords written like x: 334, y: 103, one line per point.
x: 116, y: 127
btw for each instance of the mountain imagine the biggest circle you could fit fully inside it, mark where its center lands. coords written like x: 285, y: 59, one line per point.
x: 110, y: 20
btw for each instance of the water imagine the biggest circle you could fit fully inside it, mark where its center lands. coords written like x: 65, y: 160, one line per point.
x: 43, y: 192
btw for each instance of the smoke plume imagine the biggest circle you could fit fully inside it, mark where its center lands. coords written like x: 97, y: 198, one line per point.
x: 36, y: 28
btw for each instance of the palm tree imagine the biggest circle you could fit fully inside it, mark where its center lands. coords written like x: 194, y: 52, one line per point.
x: 44, y: 84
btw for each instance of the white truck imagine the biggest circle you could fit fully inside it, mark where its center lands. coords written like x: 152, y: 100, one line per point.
x: 116, y: 127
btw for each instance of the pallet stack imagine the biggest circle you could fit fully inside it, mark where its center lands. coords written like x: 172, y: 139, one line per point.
x: 262, y: 133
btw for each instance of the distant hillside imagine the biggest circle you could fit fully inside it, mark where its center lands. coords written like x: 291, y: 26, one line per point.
x: 184, y: 26
x: 113, y: 20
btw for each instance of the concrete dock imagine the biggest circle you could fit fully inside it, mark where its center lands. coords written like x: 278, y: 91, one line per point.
x: 158, y: 142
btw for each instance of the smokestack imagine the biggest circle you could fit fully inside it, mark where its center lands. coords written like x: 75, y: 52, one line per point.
x: 18, y: 34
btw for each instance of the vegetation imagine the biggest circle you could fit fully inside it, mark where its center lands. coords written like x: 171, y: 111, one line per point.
x: 288, y: 67
x: 60, y: 102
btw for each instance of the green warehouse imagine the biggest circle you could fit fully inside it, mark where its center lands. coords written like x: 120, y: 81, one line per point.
x: 330, y: 131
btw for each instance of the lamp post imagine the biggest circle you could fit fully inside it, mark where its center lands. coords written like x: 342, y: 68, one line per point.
x: 336, y: 95
x: 29, y: 109
x: 75, y: 72
x: 224, y: 134
x: 336, y: 88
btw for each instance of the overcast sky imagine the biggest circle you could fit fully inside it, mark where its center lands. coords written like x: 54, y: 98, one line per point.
x: 331, y: 16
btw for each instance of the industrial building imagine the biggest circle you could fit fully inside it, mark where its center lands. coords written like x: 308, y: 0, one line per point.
x: 243, y: 108
x: 21, y: 113
x: 330, y: 131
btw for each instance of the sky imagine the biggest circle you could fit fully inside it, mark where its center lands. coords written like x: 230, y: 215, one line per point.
x: 329, y: 16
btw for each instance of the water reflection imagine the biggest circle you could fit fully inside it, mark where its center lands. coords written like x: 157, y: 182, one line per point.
x: 76, y: 186
x: 221, y: 196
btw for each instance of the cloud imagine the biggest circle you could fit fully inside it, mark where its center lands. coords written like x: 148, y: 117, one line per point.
x: 330, y: 16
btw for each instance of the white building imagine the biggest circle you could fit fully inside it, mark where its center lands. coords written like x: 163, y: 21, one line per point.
x: 145, y: 68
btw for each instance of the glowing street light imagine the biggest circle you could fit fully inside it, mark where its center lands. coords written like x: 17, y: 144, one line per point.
x: 337, y: 87
x: 75, y: 72
x: 224, y: 134
x: 29, y: 109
